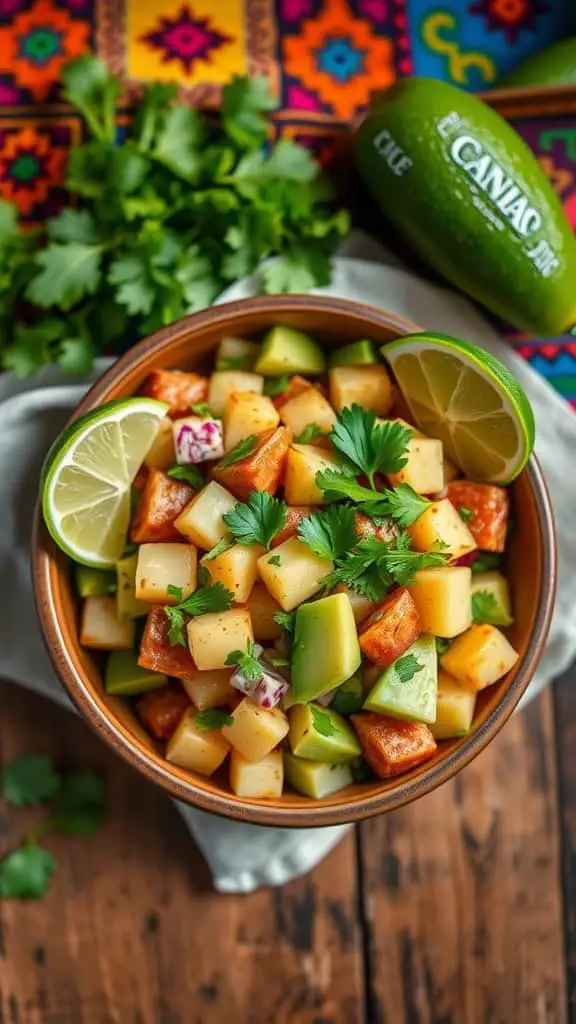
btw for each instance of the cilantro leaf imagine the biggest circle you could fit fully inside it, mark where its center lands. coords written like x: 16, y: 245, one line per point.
x: 212, y: 718
x: 361, y: 771
x: 485, y: 608
x: 442, y: 645
x: 213, y: 598
x: 465, y: 513
x: 173, y: 591
x: 286, y: 620
x: 190, y: 474
x: 375, y: 565
x: 371, y: 446
x: 338, y: 484
x: 247, y: 662
x: 234, y: 363
x: 275, y: 560
x: 73, y: 226
x: 29, y: 780
x: 240, y: 451
x: 179, y: 141
x: 135, y: 288
x: 277, y: 661
x: 76, y: 355
x: 485, y: 561
x: 402, y: 504
x: 202, y: 409
x: 349, y: 698
x: 407, y: 667
x: 67, y: 274
x: 176, y: 626
x: 79, y: 804
x: 90, y: 87
x: 276, y: 385
x: 310, y: 433
x: 26, y: 872
x: 258, y: 520
x: 297, y: 270
x: 331, y: 534
x: 218, y: 549
x: 322, y: 722
x: 244, y: 102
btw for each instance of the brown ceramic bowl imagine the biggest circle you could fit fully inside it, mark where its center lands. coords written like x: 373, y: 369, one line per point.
x: 531, y: 567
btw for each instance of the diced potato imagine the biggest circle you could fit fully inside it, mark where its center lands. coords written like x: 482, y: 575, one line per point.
x: 303, y: 462
x: 368, y: 386
x: 214, y: 636
x: 236, y: 569
x: 294, y: 516
x: 298, y: 575
x: 496, y: 585
x: 194, y: 749
x: 440, y: 527
x: 236, y: 354
x: 247, y: 413
x: 490, y: 508
x: 261, y: 780
x: 161, y: 454
x: 255, y: 731
x: 308, y: 407
x: 209, y: 689
x: 158, y: 654
x: 101, y: 628
x: 479, y: 657
x: 391, y: 629
x: 201, y: 521
x: 443, y: 599
x: 224, y: 383
x: 361, y: 606
x: 128, y: 606
x: 316, y: 779
x: 261, y: 470
x: 162, y: 501
x: 163, y: 565
x: 180, y: 390
x: 296, y: 385
x: 161, y: 711
x: 454, y: 709
x: 424, y: 469
x: 392, y: 746
x: 263, y: 608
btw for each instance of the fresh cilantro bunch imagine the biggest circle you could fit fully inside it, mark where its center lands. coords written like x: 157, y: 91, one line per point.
x: 159, y: 221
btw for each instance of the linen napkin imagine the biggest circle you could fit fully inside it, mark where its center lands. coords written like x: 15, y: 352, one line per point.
x: 244, y: 857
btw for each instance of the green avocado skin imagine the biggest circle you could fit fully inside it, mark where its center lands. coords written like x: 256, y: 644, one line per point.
x: 556, y: 65
x: 439, y: 162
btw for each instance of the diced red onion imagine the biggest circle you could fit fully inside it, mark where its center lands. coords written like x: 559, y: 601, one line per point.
x: 197, y: 440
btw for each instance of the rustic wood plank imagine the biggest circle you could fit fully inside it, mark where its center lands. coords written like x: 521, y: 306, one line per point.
x: 130, y: 931
x: 565, y: 714
x: 462, y: 897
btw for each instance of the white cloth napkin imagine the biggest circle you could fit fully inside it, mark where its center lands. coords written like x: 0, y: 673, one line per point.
x: 245, y: 857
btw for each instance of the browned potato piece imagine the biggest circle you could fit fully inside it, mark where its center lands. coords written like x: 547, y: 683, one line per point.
x: 392, y: 746
x: 391, y: 629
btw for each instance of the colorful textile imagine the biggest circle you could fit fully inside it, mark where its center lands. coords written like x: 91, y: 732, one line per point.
x: 323, y: 58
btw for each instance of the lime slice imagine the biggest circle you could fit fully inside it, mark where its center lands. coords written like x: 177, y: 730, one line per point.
x: 466, y: 398
x: 87, y: 477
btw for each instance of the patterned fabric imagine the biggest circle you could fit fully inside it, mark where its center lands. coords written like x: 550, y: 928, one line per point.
x: 323, y: 58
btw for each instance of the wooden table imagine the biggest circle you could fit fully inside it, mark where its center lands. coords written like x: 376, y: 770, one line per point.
x: 460, y: 909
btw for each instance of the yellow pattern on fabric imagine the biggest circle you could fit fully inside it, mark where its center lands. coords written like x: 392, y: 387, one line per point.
x: 458, y: 62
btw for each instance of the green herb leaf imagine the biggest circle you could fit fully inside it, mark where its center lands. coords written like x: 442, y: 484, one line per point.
x: 442, y: 645
x: 212, y: 718
x: 234, y: 362
x: 29, y: 780
x: 287, y: 621
x: 339, y: 484
x: 486, y: 561
x: 310, y: 433
x: 214, y: 598
x: 190, y: 474
x: 275, y: 560
x: 179, y: 141
x: 258, y: 520
x: 79, y: 804
x: 465, y: 513
x: 202, y: 409
x: 244, y: 103
x: 348, y: 700
x: 402, y: 504
x: 361, y: 771
x: 240, y: 451
x: 407, y: 667
x: 68, y: 273
x: 176, y: 626
x: 26, y: 872
x: 247, y: 662
x: 218, y: 549
x: 331, y: 534
x: 90, y: 87
x: 322, y: 722
x: 485, y: 608
x: 374, y: 566
x: 276, y: 385
x: 278, y: 661
x: 371, y: 446
x: 173, y: 591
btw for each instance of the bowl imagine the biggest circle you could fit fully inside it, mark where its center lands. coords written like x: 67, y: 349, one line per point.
x: 531, y: 569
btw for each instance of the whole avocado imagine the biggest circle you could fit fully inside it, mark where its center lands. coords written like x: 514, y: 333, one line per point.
x: 556, y: 65
x: 470, y: 197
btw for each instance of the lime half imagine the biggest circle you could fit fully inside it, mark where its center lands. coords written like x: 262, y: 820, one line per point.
x: 469, y: 400
x: 87, y: 477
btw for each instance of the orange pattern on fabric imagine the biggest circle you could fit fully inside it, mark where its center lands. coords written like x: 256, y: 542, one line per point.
x: 38, y: 42
x: 46, y: 164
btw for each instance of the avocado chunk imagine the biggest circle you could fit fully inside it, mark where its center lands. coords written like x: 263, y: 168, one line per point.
x: 315, y: 778
x: 408, y: 687
x: 359, y: 353
x: 286, y: 350
x: 349, y: 698
x: 493, y: 606
x: 125, y: 677
x: 454, y: 709
x: 94, y: 582
x: 129, y: 607
x: 326, y: 651
x: 321, y: 734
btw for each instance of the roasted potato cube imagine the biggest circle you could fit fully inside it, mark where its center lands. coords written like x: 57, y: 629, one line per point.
x: 294, y: 516
x: 165, y: 565
x: 247, y: 413
x: 162, y: 501
x: 440, y: 527
x: 306, y: 408
x: 194, y: 749
x: 210, y: 689
x: 180, y: 390
x: 490, y: 508
x: 392, y: 746
x: 161, y: 711
x: 424, y: 469
x: 102, y: 629
x: 260, y: 471
x: 202, y: 520
x: 161, y: 454
x: 368, y: 386
x: 224, y: 383
x: 296, y: 386
x: 391, y: 629
x: 443, y: 598
x: 454, y: 709
x: 158, y: 654
x: 214, y: 636
x: 258, y: 781
x: 479, y: 657
x: 303, y: 462
x: 255, y: 731
x: 298, y: 575
x: 236, y: 569
x: 263, y: 608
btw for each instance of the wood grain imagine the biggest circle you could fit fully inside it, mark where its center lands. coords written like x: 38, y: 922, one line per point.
x: 565, y: 708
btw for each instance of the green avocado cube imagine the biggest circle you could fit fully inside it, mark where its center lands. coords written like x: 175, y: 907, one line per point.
x: 491, y: 599
x: 126, y: 678
x: 315, y: 778
x: 408, y: 688
x: 326, y: 651
x: 321, y: 734
x: 286, y: 350
x: 94, y: 582
x: 359, y: 353
x: 349, y: 698
x: 129, y: 607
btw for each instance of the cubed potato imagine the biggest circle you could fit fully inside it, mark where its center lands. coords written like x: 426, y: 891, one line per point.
x: 210, y: 689
x: 224, y: 383
x: 157, y: 653
x: 162, y: 501
x: 303, y: 462
x: 165, y: 565
x: 102, y: 629
x: 258, y: 781
x: 236, y: 354
x: 194, y: 749
x: 391, y: 629
x: 298, y: 575
x: 161, y: 711
x: 424, y: 469
x: 454, y: 709
x: 296, y: 385
x: 368, y: 386
x: 490, y: 508
x: 247, y: 413
x: 306, y: 408
x: 161, y: 454
x: 263, y: 608
x: 294, y: 516
x: 255, y: 731
x: 361, y: 606
x: 236, y: 569
x: 214, y: 636
x: 479, y: 657
x: 127, y: 606
x: 262, y: 470
x: 180, y: 390
x: 367, y: 529
x: 202, y: 520
x: 441, y: 528
x: 392, y: 746
x: 443, y: 598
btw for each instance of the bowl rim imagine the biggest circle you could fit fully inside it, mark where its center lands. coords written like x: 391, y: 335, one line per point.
x: 121, y: 740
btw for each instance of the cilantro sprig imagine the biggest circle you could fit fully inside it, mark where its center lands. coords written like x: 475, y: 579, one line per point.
x: 276, y: 385
x: 310, y: 433
x: 247, y: 662
x: 189, y: 474
x: 331, y: 534
x: 485, y: 609
x: 211, y: 598
x: 373, y: 566
x: 212, y: 718
x: 407, y: 667
x: 287, y: 621
x: 370, y: 446
x: 240, y: 451
x: 258, y: 520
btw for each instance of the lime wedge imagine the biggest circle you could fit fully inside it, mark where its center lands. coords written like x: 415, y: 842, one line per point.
x: 87, y: 476
x: 469, y: 400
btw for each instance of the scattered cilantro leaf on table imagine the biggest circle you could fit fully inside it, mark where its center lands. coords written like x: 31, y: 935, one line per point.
x: 258, y: 520
x: 29, y: 780
x: 78, y: 806
x: 25, y: 872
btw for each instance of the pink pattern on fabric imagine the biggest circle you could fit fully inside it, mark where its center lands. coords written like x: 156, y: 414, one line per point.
x: 377, y: 9
x: 293, y: 10
x: 301, y: 99
x: 570, y: 209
